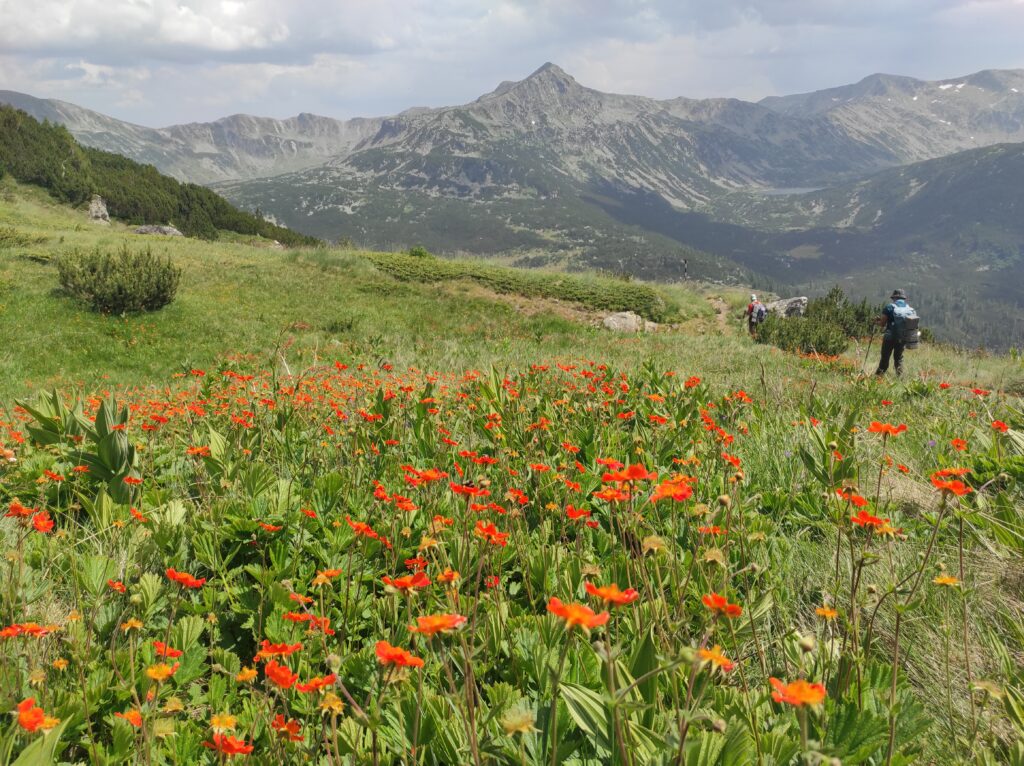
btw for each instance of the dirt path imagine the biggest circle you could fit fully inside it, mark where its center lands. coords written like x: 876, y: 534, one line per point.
x: 721, y: 312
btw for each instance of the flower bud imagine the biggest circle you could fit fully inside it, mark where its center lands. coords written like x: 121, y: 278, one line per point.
x: 719, y: 725
x: 807, y: 644
x: 725, y: 501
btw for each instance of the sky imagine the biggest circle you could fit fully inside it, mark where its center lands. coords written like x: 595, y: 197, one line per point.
x: 159, y: 62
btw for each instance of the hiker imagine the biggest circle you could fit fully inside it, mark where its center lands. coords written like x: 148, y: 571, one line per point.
x: 756, y: 313
x: 900, y: 322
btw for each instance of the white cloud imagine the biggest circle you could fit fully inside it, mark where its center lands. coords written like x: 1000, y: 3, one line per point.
x: 163, y: 61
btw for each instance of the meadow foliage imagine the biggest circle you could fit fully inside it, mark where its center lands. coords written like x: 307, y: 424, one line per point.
x: 565, y: 563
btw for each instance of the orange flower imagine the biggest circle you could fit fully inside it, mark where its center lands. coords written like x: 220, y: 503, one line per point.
x: 715, y: 657
x: 30, y: 717
x: 948, y: 580
x: 392, y: 655
x: 163, y: 650
x: 407, y: 583
x: 269, y: 650
x: 287, y: 729
x: 611, y: 594
x: 630, y: 475
x: 886, y: 428
x: 577, y: 614
x: 865, y: 519
x: 134, y: 717
x: 826, y: 612
x: 797, y: 693
x: 960, y: 445
x: 42, y: 522
x: 720, y: 605
x: 228, y: 745
x: 432, y: 624
x: 953, y: 486
x: 677, y: 489
x: 316, y: 684
x: 1000, y: 426
x: 245, y: 675
x: 449, y: 575
x: 490, y: 533
x: 280, y: 674
x: 117, y: 585
x: 184, y: 578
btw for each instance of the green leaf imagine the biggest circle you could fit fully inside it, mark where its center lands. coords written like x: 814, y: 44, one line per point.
x: 587, y: 708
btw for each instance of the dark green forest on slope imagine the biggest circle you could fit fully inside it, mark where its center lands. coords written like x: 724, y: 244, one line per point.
x: 47, y: 155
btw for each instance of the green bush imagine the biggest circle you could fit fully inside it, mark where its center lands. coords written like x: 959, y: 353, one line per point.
x: 806, y: 335
x: 826, y: 327
x: 597, y: 293
x: 122, y: 283
x: 418, y: 251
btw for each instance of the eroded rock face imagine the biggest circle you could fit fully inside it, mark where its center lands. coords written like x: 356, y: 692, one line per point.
x: 628, y: 321
x: 788, y: 307
x: 167, y: 231
x: 98, y: 210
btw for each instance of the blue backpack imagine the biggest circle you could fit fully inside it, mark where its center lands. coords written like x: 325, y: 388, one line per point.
x: 905, y: 324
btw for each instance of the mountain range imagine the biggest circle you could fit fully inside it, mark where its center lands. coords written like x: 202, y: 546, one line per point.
x: 889, y: 180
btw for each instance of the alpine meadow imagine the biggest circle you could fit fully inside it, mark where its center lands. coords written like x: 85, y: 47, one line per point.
x: 546, y: 429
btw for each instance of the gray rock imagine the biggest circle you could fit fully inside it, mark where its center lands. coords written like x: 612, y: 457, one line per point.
x: 628, y: 321
x: 788, y: 307
x: 98, y: 211
x: 167, y: 231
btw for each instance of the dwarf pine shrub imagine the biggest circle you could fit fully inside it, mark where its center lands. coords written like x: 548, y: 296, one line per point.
x: 124, y: 282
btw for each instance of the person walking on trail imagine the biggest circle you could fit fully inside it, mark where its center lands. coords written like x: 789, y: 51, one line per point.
x: 755, y: 314
x: 894, y: 319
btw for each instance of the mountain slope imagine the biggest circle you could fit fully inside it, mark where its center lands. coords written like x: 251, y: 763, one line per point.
x: 917, y: 119
x: 240, y: 146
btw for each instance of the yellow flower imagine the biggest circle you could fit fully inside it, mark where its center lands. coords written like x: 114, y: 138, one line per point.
x: 246, y: 675
x: 36, y: 677
x: 519, y: 721
x: 427, y: 543
x: 131, y: 624
x: 948, y: 580
x: 161, y: 671
x: 173, y: 705
x: 223, y: 722
x: 74, y: 616
x: 331, y: 703
x: 60, y: 663
x: 48, y: 723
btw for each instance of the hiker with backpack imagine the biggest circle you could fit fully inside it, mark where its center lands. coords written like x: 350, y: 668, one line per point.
x: 756, y: 313
x: 901, y: 332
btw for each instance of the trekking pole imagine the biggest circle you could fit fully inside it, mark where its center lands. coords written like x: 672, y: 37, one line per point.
x: 871, y: 340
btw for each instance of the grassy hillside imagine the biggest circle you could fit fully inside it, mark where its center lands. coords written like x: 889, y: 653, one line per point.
x: 331, y: 515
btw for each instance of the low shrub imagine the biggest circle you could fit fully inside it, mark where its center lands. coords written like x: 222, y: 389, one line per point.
x: 120, y: 283
x: 599, y: 294
x: 826, y: 327
x: 804, y: 335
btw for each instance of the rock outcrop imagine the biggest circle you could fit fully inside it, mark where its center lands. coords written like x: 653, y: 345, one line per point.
x: 788, y: 307
x: 98, y: 211
x: 167, y: 231
x: 628, y: 321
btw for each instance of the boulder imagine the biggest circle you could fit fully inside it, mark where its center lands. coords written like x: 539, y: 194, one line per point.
x: 628, y: 321
x: 788, y: 307
x: 98, y: 211
x: 167, y: 231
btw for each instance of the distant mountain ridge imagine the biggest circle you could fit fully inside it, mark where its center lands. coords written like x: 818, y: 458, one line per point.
x: 545, y: 171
